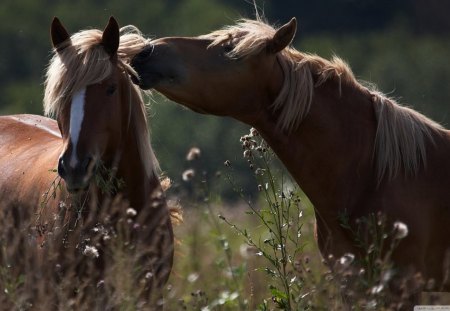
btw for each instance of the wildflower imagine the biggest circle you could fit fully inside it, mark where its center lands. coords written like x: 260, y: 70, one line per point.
x: 192, y: 277
x: 193, y: 154
x: 245, y: 137
x: 247, y: 154
x: 90, y: 251
x: 260, y: 187
x: 254, y: 132
x: 131, y: 212
x: 188, y: 175
x: 377, y: 289
x: 387, y: 275
x: 246, y: 144
x: 227, y: 163
x: 347, y: 259
x: 400, y: 230
x: 371, y: 305
x: 148, y: 275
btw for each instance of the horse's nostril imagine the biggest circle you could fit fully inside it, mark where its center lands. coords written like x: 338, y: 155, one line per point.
x: 61, y: 168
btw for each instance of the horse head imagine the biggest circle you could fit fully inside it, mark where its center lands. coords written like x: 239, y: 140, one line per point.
x: 94, y: 95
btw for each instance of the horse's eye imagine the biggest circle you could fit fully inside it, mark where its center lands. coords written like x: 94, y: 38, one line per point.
x: 111, y: 89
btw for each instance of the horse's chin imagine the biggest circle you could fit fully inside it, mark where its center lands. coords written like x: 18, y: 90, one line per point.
x: 77, y: 189
x: 81, y: 186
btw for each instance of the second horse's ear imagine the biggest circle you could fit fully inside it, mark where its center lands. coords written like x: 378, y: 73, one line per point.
x: 58, y: 34
x: 111, y: 37
x: 283, y: 37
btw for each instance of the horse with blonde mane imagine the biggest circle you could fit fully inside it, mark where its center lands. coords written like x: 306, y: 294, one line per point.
x: 352, y: 150
x: 100, y: 132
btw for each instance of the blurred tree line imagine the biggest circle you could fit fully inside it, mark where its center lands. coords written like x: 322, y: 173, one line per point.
x: 403, y: 46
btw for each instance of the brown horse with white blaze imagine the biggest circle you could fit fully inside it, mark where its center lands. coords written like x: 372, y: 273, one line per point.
x: 101, y: 122
x: 351, y: 149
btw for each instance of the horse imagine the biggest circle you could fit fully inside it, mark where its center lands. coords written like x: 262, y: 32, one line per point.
x: 350, y: 148
x: 100, y: 131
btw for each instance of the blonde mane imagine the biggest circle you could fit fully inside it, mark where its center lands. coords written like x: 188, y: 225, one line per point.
x: 401, y: 134
x: 83, y: 61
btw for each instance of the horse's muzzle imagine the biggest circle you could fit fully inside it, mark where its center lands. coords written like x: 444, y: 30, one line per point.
x: 78, y: 177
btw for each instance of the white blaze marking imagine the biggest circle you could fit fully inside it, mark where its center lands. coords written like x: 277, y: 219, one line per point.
x: 76, y: 120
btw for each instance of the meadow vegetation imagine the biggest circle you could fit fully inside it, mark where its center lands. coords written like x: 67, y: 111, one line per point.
x: 256, y: 255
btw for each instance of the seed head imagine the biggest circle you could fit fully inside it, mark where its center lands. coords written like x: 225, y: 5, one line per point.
x: 247, y: 154
x: 131, y: 212
x: 188, y: 174
x: 90, y: 251
x: 254, y: 132
x: 400, y: 230
x: 193, y: 154
x: 347, y: 259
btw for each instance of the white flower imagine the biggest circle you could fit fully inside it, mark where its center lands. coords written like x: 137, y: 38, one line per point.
x: 131, y: 212
x: 194, y: 153
x: 192, y: 277
x: 254, y: 132
x: 148, y: 275
x: 90, y: 251
x: 377, y: 289
x: 188, y: 175
x: 347, y: 259
x: 400, y: 230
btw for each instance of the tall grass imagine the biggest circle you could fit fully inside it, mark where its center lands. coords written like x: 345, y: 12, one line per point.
x: 256, y: 255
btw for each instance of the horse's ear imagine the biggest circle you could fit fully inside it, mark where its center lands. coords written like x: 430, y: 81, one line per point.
x: 58, y: 33
x: 111, y: 37
x: 283, y: 37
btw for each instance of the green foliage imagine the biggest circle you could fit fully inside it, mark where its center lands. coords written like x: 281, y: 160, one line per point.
x: 106, y: 180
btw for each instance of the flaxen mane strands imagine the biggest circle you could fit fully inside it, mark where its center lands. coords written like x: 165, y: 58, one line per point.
x: 402, y: 133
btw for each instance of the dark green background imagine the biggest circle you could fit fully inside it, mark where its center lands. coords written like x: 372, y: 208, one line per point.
x: 402, y: 46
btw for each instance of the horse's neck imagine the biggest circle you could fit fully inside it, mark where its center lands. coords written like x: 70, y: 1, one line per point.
x: 330, y: 154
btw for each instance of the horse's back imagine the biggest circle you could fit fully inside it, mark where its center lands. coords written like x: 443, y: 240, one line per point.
x: 30, y: 146
x: 27, y: 125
